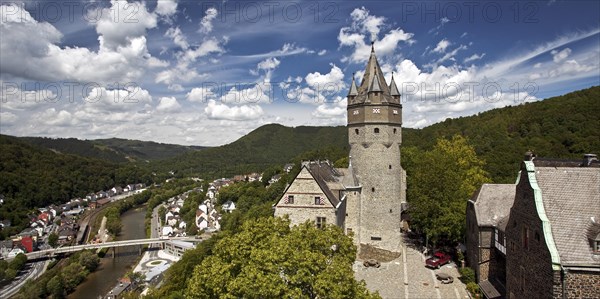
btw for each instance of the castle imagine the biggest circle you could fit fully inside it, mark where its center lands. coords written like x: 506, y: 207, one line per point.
x: 366, y: 199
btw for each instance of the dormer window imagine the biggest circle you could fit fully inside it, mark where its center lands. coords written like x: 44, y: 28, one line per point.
x: 597, y: 247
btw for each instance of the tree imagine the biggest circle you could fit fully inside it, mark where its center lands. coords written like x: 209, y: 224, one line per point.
x: 18, y: 262
x: 55, y: 287
x: 89, y: 260
x: 53, y: 239
x: 440, y: 183
x: 268, y: 259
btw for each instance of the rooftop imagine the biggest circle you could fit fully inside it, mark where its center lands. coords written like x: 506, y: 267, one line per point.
x: 493, y: 202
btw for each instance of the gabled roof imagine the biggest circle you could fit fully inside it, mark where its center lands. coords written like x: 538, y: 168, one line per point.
x: 327, y: 178
x: 492, y: 203
x: 570, y: 197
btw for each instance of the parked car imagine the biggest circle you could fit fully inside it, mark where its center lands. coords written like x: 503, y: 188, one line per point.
x: 437, y: 260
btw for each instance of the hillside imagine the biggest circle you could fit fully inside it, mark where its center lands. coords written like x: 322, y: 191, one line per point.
x: 268, y: 145
x: 36, y: 177
x: 114, y: 150
x: 560, y: 127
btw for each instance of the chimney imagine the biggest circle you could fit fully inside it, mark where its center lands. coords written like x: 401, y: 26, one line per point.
x: 588, y: 159
x: 529, y: 156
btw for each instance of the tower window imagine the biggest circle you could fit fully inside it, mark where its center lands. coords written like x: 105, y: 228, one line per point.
x: 394, y: 130
x: 373, y: 189
x: 356, y: 131
x: 376, y: 130
x: 390, y: 166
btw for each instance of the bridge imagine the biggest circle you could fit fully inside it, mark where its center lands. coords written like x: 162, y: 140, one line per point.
x: 68, y: 249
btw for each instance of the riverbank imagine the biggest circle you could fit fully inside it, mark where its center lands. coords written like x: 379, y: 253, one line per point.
x: 100, y: 282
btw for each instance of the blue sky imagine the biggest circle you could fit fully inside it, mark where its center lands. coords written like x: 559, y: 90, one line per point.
x: 208, y: 72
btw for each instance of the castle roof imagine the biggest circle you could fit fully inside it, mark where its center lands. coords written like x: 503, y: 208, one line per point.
x: 353, y: 91
x: 492, y: 203
x: 393, y: 88
x: 373, y: 81
x: 571, y: 199
x: 327, y: 178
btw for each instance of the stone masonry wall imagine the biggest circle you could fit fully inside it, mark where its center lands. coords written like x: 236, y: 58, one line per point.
x: 580, y: 284
x: 376, y: 161
x: 529, y: 272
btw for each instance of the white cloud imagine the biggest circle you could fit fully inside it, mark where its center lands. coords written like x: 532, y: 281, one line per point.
x: 166, y: 7
x: 322, y: 52
x: 28, y: 49
x: 366, y: 23
x: 178, y: 37
x: 474, y: 57
x: 268, y: 64
x: 218, y: 111
x: 52, y: 117
x: 168, y: 104
x: 318, y: 81
x: 206, y: 25
x: 362, y: 24
x: 8, y: 118
x: 560, y: 56
x: 257, y: 93
x: 101, y: 99
x: 13, y: 98
x: 200, y: 94
x: 335, y: 110
x: 123, y: 21
x: 441, y: 46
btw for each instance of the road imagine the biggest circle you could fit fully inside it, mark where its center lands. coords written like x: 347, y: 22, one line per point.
x: 32, y: 271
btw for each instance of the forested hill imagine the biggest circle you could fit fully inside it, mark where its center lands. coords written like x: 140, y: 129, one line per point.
x: 271, y: 144
x: 114, y: 150
x: 560, y: 127
x: 36, y: 177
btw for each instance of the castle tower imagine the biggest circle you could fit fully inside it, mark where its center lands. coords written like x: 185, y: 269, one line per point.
x: 375, y: 204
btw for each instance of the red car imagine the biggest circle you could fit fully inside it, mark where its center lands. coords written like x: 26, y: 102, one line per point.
x: 437, y: 260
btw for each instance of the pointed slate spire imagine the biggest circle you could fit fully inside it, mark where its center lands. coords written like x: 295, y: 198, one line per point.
x: 353, y: 90
x: 375, y: 84
x: 373, y: 79
x: 393, y: 88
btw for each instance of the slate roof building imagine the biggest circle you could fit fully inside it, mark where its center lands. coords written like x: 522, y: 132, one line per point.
x: 552, y: 240
x: 487, y: 216
x: 366, y: 199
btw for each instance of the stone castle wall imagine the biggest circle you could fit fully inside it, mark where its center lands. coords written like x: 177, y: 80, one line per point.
x: 375, y: 152
x: 582, y: 284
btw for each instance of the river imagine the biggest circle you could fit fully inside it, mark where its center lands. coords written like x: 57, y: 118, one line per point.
x: 110, y: 270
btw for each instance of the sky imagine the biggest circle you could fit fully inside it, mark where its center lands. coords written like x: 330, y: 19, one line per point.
x: 208, y: 72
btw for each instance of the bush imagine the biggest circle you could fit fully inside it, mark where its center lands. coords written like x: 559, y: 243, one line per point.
x: 473, y: 288
x: 467, y: 275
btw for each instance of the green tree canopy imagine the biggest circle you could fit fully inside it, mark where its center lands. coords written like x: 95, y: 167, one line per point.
x: 268, y: 259
x: 441, y: 182
x: 53, y: 239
